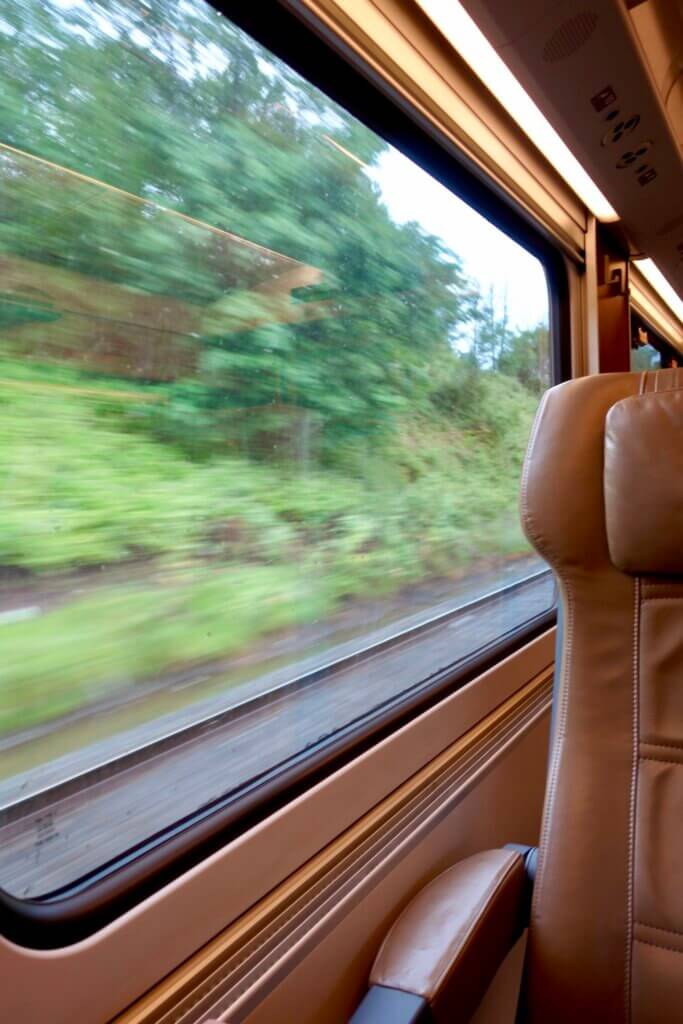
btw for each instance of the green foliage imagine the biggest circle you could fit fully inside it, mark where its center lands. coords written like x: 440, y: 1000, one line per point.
x: 13, y: 314
x: 116, y: 636
x: 241, y: 417
x: 244, y: 148
x: 103, y: 494
x: 214, y: 554
x: 527, y: 357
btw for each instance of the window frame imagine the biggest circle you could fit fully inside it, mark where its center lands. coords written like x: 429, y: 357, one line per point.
x: 86, y: 906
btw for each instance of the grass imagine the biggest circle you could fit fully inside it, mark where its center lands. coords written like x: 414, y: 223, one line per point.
x: 221, y: 552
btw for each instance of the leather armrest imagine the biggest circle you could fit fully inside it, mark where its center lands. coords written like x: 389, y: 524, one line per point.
x: 450, y: 940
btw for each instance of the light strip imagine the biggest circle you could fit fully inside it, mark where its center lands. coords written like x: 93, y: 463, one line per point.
x: 655, y: 277
x: 346, y: 152
x: 451, y: 18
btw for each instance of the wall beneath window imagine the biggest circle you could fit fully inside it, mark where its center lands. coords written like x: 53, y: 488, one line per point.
x: 505, y: 807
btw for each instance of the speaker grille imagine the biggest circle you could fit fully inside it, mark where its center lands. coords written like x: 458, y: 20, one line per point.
x: 570, y: 36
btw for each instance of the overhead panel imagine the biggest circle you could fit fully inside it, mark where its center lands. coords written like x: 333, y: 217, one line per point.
x: 659, y: 27
x: 585, y: 67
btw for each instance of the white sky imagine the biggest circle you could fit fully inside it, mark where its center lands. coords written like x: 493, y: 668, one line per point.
x: 488, y: 255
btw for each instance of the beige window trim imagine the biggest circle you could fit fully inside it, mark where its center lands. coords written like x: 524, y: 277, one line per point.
x: 398, y: 43
x: 233, y: 973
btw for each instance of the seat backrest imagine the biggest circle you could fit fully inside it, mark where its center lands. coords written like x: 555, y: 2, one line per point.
x: 602, y: 501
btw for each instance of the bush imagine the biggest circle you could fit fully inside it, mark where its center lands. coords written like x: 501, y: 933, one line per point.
x: 221, y: 551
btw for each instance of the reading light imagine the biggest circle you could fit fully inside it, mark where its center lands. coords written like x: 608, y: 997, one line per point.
x: 451, y: 18
x: 655, y: 277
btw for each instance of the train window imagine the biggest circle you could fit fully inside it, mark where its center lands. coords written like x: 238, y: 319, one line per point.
x: 265, y: 388
x: 645, y: 357
x: 649, y: 350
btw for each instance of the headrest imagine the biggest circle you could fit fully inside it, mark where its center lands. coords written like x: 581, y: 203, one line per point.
x: 643, y: 479
x: 602, y: 487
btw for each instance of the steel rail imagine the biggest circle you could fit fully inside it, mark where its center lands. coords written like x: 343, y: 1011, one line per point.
x: 116, y: 766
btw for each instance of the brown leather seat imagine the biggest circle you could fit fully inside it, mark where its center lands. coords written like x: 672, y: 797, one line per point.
x: 602, y: 502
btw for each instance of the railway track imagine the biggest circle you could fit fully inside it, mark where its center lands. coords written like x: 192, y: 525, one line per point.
x: 57, y: 833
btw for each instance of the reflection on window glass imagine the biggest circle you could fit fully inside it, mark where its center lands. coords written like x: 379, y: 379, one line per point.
x: 644, y: 356
x: 265, y: 388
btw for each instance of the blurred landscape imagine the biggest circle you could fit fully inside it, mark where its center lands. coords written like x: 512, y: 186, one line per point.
x: 235, y: 394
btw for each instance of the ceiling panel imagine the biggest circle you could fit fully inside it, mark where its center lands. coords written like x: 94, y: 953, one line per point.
x: 585, y: 65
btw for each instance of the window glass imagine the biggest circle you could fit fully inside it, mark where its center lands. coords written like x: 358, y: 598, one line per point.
x: 265, y: 389
x: 649, y: 350
x: 644, y: 355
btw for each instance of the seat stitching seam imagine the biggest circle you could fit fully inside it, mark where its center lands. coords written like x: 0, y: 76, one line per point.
x: 647, y: 394
x: 661, y: 743
x: 670, y: 931
x: 543, y: 546
x: 633, y: 794
x: 660, y: 760
x: 658, y: 945
x: 557, y: 745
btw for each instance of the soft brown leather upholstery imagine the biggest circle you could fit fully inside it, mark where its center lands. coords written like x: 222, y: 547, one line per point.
x: 644, y: 483
x: 602, y: 502
x: 449, y: 940
x: 606, y: 932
